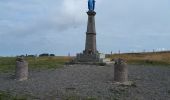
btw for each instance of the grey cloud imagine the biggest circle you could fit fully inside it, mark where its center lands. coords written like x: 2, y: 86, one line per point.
x: 53, y: 26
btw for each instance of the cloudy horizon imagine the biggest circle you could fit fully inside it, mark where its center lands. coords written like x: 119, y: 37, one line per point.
x: 59, y: 26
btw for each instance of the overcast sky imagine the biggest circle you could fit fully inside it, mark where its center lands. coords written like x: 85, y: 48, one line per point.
x: 59, y: 26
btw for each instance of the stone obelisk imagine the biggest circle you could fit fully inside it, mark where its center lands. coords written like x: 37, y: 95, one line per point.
x: 90, y: 54
x: 90, y: 46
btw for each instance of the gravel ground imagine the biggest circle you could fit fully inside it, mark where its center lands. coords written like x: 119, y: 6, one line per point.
x: 87, y: 81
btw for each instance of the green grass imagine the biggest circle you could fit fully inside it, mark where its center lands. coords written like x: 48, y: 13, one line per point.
x: 76, y: 97
x: 7, y: 96
x: 8, y: 63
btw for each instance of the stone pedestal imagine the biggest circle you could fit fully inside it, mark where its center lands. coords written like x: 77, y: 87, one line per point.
x: 21, y: 71
x: 87, y: 57
x: 120, y: 71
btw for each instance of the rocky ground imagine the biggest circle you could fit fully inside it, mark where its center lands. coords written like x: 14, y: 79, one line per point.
x: 79, y: 82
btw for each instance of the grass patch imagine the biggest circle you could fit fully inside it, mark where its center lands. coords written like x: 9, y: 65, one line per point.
x: 7, y: 64
x: 7, y: 96
x: 91, y: 98
x: 76, y: 97
x: 145, y: 58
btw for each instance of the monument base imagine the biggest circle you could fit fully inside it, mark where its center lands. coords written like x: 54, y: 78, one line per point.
x: 87, y: 57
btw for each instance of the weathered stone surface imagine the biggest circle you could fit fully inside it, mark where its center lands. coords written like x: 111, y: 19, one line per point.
x: 90, y: 46
x: 90, y: 54
x: 88, y: 57
x: 21, y: 71
x: 120, y: 71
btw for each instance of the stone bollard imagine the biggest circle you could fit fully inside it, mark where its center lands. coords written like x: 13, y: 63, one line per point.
x: 120, y: 71
x: 21, y: 71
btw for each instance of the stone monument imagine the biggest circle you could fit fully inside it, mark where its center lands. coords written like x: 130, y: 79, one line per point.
x: 120, y: 71
x: 21, y: 71
x: 90, y: 54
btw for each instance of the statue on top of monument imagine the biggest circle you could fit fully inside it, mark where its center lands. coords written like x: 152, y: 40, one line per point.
x: 91, y: 5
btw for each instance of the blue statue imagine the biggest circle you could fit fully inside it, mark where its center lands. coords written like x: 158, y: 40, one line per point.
x: 91, y: 5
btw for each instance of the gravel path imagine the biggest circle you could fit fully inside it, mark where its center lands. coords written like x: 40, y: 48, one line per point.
x: 82, y: 81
